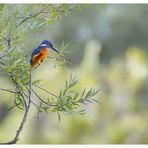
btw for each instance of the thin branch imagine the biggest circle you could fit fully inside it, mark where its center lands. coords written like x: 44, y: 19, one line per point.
x: 6, y: 51
x: 7, y: 90
x: 3, y: 56
x: 36, y: 105
x: 25, y: 114
x: 65, y: 60
x: 10, y: 108
x: 31, y: 16
x: 38, y: 111
x: 4, y: 27
x: 46, y: 91
x: 40, y: 99
x: 43, y: 100
x: 28, y: 54
x: 20, y: 91
x: 2, y: 63
x: 4, y: 37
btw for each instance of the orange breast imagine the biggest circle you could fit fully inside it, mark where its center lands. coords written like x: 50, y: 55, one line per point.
x: 37, y: 59
x: 44, y: 53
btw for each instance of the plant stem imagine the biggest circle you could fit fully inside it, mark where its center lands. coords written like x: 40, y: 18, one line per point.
x: 16, y: 138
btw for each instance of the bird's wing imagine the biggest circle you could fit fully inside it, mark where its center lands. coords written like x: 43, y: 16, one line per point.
x: 35, y: 53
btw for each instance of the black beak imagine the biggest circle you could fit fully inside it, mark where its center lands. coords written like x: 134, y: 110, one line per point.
x: 55, y: 50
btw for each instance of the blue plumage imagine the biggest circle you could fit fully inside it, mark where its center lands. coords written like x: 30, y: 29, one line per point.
x: 43, y: 45
x: 48, y: 43
x: 35, y: 52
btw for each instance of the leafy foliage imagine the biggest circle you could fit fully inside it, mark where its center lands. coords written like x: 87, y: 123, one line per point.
x: 15, y: 22
x: 68, y: 101
x: 23, y: 19
x: 60, y: 59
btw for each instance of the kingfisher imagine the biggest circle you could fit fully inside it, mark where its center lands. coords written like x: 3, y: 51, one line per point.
x: 40, y: 53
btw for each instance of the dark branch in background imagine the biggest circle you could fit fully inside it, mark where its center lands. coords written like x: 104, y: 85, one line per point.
x: 38, y: 13
x: 9, y: 43
x: 8, y: 49
x: 31, y: 16
x: 8, y: 40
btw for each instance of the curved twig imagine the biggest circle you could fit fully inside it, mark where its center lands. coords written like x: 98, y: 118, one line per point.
x: 43, y: 100
x: 32, y: 16
x: 46, y: 91
x: 7, y: 90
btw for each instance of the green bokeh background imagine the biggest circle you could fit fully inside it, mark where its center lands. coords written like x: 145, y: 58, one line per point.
x: 108, y: 50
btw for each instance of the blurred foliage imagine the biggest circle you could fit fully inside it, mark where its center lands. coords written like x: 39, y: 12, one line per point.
x: 108, y: 50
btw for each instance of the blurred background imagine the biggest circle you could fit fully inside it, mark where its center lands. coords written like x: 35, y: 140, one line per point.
x: 108, y: 50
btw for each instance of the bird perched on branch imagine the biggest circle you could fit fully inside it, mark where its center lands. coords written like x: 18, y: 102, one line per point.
x: 40, y: 53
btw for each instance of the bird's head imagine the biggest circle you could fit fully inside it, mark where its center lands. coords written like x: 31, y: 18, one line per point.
x: 48, y: 44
